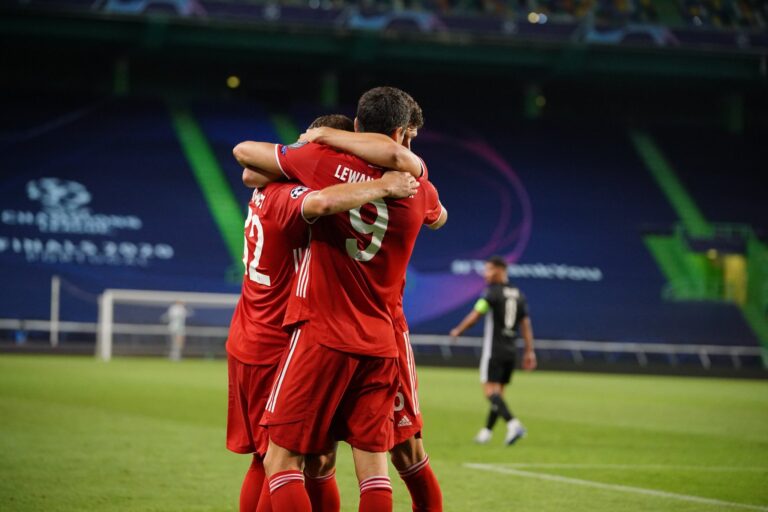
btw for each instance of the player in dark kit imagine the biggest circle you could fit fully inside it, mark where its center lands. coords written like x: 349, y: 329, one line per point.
x: 506, y: 321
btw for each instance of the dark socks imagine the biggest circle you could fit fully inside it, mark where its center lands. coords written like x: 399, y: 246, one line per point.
x: 492, y: 417
x: 499, y: 407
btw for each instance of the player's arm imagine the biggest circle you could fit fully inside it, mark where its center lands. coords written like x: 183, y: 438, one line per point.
x: 374, y: 148
x: 529, y: 356
x: 258, y: 157
x: 441, y: 220
x: 480, y: 309
x: 255, y: 179
x: 436, y: 215
x: 346, y: 196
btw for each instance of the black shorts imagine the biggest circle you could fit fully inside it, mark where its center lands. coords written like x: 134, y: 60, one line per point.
x: 497, y: 370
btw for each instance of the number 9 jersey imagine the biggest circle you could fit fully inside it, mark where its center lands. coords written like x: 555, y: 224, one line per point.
x: 349, y: 285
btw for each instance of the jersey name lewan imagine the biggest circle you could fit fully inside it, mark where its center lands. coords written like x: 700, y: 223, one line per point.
x: 350, y: 175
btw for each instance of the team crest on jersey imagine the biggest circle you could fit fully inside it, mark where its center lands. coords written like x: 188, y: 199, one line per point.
x: 295, y: 145
x: 297, y: 192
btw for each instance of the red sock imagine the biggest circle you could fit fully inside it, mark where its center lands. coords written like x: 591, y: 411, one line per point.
x: 323, y: 493
x: 251, y: 489
x: 423, y: 486
x: 287, y: 493
x: 375, y: 494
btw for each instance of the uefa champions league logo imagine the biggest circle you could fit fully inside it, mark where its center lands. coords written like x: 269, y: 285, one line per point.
x: 64, y: 229
x: 65, y: 208
x: 58, y: 194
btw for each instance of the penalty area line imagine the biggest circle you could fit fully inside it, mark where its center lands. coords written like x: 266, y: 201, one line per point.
x: 613, y: 487
x: 634, y: 467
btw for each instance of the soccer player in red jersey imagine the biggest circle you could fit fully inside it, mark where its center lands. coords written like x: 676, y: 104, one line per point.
x: 408, y: 455
x: 276, y: 234
x: 339, y: 377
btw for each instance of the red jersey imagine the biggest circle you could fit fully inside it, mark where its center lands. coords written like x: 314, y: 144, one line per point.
x: 350, y: 283
x: 276, y: 237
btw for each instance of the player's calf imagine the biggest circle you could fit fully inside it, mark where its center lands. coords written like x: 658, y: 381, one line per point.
x: 412, y: 464
x: 320, y: 482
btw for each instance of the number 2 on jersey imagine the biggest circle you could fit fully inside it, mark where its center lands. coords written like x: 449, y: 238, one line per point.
x: 377, y: 230
x: 254, y: 275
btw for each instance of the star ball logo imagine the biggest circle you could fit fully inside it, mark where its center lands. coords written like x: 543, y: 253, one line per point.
x: 297, y: 192
x: 58, y: 194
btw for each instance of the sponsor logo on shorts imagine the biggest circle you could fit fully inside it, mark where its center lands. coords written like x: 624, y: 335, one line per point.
x: 404, y: 422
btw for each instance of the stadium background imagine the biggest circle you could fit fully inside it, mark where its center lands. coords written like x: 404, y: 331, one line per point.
x: 613, y: 151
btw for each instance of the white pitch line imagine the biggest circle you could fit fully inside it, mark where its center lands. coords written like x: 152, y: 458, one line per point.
x: 614, y: 487
x: 639, y: 467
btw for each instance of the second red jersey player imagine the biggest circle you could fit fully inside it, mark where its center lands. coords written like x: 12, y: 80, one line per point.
x: 274, y: 229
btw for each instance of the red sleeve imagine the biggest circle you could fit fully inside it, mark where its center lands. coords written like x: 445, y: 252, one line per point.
x: 424, y: 170
x: 432, y: 206
x: 299, y: 161
x: 288, y: 204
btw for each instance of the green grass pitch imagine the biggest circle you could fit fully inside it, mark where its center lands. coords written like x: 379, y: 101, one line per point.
x: 148, y: 435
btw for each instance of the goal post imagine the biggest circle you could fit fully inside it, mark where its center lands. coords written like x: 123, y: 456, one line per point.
x: 158, y: 303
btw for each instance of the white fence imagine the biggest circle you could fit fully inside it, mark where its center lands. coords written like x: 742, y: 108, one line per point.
x: 445, y: 344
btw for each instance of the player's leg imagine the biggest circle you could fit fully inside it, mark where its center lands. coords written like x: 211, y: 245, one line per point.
x: 502, y: 376
x: 311, y: 382
x: 486, y: 433
x: 253, y: 482
x: 364, y: 420
x: 320, y: 482
x: 492, y: 390
x: 373, y: 476
x: 496, y: 374
x: 408, y: 455
x: 286, y: 481
x: 241, y: 433
x: 176, y: 345
x: 412, y: 464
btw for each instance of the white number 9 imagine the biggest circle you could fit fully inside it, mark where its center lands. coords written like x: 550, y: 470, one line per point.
x: 377, y: 230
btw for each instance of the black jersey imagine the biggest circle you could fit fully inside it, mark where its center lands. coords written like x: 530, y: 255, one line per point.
x: 505, y: 308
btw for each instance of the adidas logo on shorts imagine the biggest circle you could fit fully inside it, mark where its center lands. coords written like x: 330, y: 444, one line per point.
x: 404, y: 422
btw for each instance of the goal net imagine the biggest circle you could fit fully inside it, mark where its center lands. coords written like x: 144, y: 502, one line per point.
x: 173, y: 324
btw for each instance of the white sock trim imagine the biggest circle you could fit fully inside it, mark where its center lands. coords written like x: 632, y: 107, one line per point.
x: 415, y: 468
x: 375, y: 482
x: 278, y: 482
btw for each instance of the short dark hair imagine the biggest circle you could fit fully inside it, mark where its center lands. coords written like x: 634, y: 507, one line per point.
x: 383, y: 110
x: 497, y: 261
x: 338, y: 121
x: 417, y: 115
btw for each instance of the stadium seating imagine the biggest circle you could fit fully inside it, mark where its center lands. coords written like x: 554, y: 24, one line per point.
x: 727, y: 24
x: 568, y: 204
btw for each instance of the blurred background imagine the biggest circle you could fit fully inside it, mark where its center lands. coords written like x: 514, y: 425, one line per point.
x: 612, y: 150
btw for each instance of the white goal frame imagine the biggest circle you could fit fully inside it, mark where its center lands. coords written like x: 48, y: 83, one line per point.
x: 111, y: 296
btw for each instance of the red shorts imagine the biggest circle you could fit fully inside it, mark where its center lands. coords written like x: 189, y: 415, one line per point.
x: 408, y: 422
x: 249, y: 387
x: 322, y: 395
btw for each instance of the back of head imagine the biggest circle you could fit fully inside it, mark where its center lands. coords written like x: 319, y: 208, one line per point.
x: 498, y: 262
x: 338, y: 121
x: 384, y: 110
x: 416, y: 121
